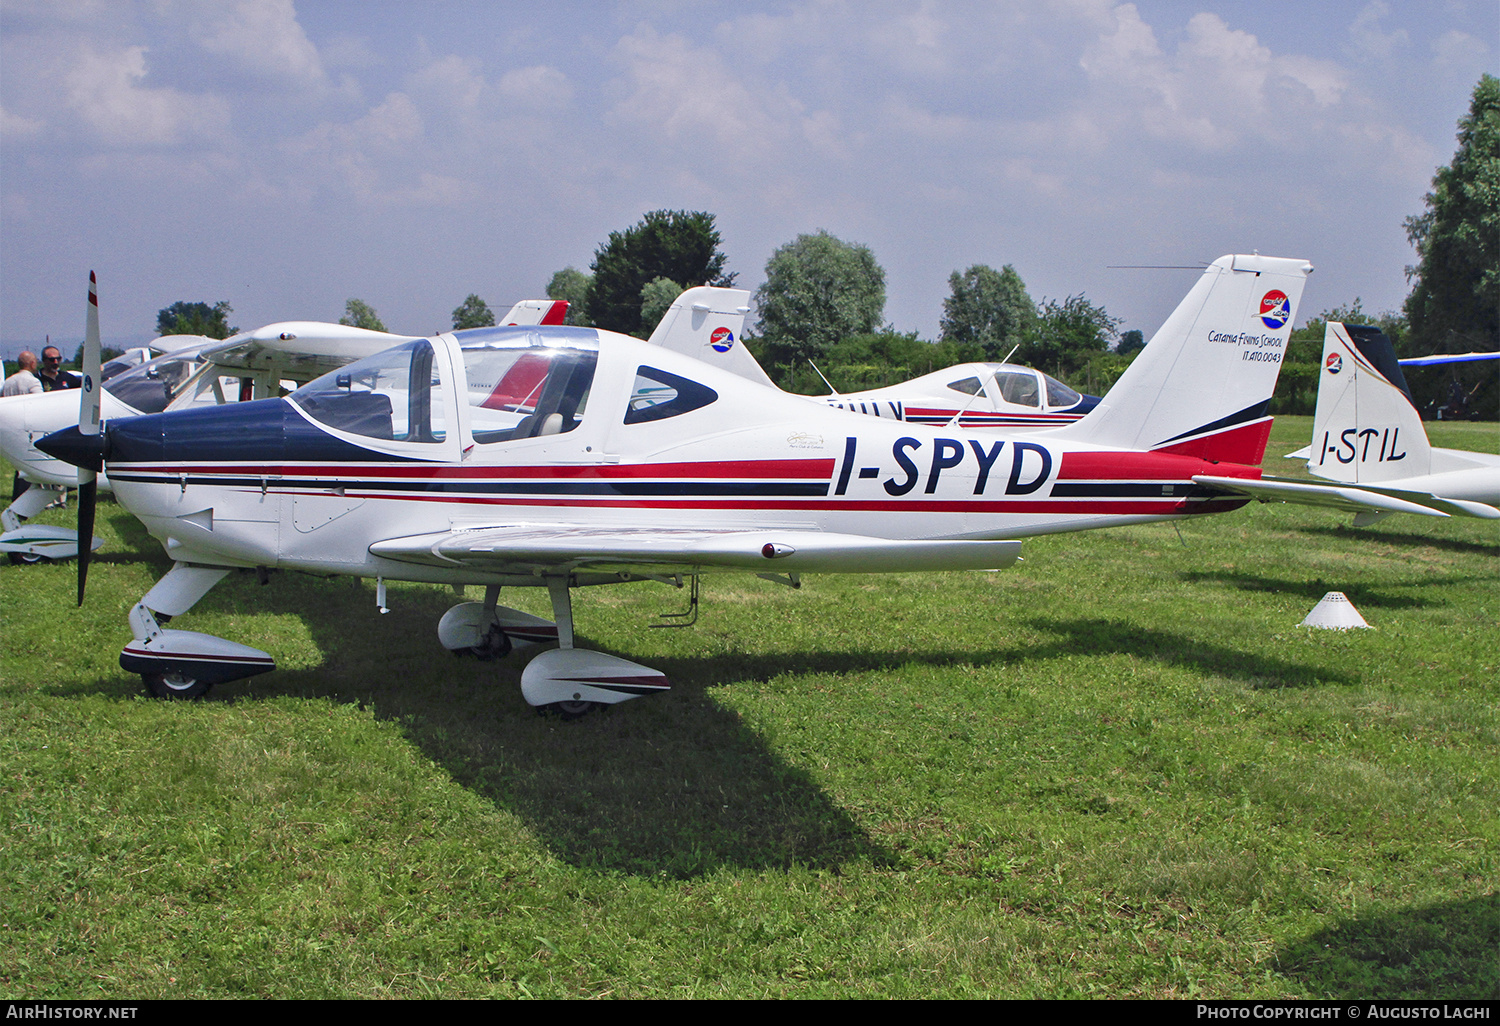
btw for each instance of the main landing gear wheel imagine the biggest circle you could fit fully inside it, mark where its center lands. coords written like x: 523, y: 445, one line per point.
x: 568, y: 710
x: 26, y: 558
x: 175, y: 685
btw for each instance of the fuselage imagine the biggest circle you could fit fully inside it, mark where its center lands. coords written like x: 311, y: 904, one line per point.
x: 572, y: 427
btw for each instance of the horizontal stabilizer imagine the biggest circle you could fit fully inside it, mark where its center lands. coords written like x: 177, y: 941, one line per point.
x: 1353, y: 498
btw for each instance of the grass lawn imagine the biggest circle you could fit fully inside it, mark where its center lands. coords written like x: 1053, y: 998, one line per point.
x: 1119, y: 769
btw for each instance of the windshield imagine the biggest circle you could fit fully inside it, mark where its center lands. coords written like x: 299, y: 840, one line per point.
x: 151, y: 387
x: 1059, y: 394
x: 395, y: 395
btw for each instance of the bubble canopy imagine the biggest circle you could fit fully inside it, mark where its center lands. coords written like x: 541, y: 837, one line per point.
x: 517, y: 383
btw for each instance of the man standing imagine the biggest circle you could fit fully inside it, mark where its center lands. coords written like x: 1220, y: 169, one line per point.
x: 53, y: 376
x: 23, y: 381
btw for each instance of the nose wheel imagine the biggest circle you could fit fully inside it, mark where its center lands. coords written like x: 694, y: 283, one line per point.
x: 567, y: 711
x: 175, y: 684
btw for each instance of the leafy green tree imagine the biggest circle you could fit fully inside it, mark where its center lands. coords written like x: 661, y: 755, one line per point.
x: 1454, y: 305
x: 573, y: 285
x: 473, y: 312
x: 679, y: 245
x: 987, y: 307
x: 1455, y: 297
x: 196, y: 319
x: 359, y: 314
x: 818, y: 290
x: 656, y: 299
x: 1065, y: 333
x: 1131, y: 341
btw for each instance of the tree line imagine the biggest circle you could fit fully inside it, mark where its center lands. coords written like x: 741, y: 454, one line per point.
x: 823, y: 299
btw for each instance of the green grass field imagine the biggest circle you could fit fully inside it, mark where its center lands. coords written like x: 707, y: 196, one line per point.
x: 1119, y: 769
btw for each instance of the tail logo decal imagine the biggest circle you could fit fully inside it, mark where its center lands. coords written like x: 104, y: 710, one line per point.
x: 1335, y: 363
x: 722, y: 340
x: 1275, y: 309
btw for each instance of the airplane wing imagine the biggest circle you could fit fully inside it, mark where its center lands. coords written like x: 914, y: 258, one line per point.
x: 1428, y: 361
x: 528, y: 548
x: 1352, y: 498
x: 299, y: 350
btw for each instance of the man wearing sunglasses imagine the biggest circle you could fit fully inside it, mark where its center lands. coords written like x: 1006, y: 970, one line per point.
x: 52, y: 375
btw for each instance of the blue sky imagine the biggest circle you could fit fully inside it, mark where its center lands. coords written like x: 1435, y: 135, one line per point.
x: 287, y: 156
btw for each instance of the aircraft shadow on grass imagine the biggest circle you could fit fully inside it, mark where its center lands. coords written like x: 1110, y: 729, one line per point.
x: 1125, y: 638
x: 677, y: 790
x: 1311, y: 591
x: 1414, y: 539
x: 1438, y: 951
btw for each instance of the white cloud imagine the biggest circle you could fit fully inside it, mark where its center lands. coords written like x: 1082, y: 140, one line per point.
x: 537, y: 88
x: 1220, y: 89
x: 16, y: 126
x: 1458, y: 49
x: 689, y: 95
x: 105, y: 90
x: 261, y: 37
x: 1365, y: 32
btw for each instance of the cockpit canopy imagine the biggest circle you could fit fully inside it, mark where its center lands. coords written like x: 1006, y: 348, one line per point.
x: 519, y: 383
x: 1021, y: 386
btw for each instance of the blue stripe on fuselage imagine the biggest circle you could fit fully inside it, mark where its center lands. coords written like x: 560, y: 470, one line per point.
x: 268, y: 430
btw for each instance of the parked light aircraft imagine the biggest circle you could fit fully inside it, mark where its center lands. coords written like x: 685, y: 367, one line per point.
x: 193, y: 370
x: 970, y: 395
x: 1369, y: 439
x: 974, y: 395
x: 565, y: 457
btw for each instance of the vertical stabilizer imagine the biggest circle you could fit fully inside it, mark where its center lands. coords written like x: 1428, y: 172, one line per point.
x: 1203, y: 383
x: 1365, y: 429
x: 708, y: 323
x: 537, y: 311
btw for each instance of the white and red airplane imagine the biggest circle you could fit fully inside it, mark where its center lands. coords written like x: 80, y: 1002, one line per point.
x: 979, y: 396
x: 1368, y: 440
x: 193, y: 369
x: 565, y: 457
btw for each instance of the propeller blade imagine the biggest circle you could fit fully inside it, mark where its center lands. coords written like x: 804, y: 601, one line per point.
x: 88, y: 491
x: 90, y: 404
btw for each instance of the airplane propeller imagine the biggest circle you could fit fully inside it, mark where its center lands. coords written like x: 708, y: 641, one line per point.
x: 89, y: 408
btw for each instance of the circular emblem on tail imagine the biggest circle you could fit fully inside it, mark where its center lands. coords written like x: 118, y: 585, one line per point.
x: 1275, y: 309
x: 1335, y: 363
x: 722, y: 340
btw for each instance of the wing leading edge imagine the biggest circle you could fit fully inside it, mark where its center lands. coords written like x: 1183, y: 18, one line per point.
x: 535, y: 548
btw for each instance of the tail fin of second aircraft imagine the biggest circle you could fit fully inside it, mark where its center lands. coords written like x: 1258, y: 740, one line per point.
x: 708, y: 323
x: 1203, y: 383
x: 1365, y: 429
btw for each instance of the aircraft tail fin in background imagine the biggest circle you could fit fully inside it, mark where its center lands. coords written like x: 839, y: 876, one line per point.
x: 708, y: 323
x: 1202, y: 385
x: 537, y: 311
x: 1365, y: 429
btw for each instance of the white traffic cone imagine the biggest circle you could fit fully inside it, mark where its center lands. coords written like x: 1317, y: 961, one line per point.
x: 1334, y: 611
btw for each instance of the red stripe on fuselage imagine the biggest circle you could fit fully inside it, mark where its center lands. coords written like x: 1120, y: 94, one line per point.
x: 1164, y: 465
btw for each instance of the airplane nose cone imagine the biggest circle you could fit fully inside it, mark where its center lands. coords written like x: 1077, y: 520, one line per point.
x: 73, y: 446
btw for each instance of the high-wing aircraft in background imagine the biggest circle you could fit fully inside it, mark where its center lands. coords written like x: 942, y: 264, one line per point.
x: 563, y: 457
x: 1368, y: 439
x: 193, y: 370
